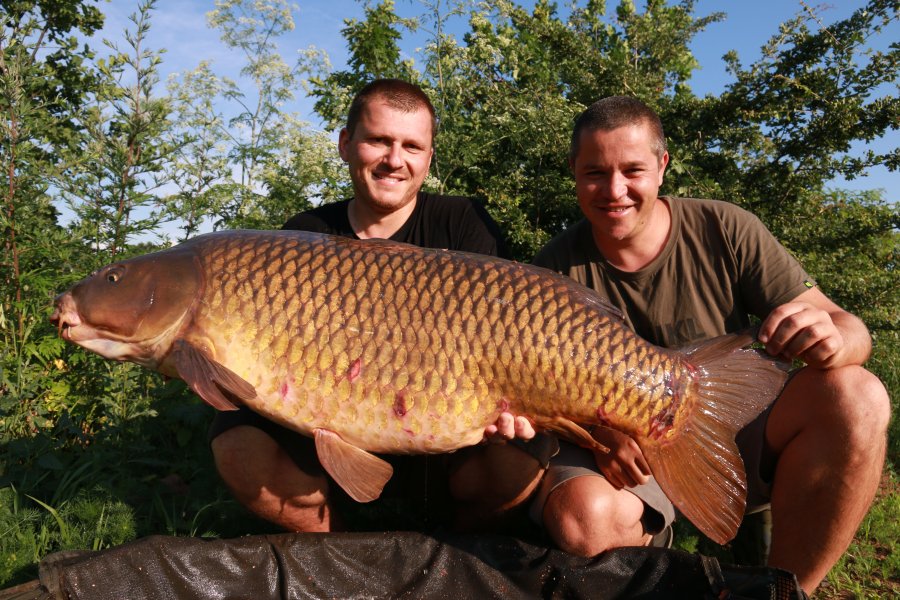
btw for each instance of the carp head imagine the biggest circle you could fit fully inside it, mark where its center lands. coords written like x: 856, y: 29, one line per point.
x: 131, y: 310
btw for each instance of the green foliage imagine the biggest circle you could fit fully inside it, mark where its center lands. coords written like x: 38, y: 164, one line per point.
x: 255, y: 134
x: 224, y: 128
x: 111, y: 182
x: 200, y: 167
x: 307, y: 168
x: 508, y: 97
x: 374, y: 53
x: 94, y: 453
x: 107, y: 465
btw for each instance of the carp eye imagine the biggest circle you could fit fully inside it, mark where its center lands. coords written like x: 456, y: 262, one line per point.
x: 113, y: 276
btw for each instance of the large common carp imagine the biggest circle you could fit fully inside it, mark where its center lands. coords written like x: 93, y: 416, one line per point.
x: 375, y: 346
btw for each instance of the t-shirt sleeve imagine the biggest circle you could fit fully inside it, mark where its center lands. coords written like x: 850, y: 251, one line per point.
x: 330, y: 218
x: 562, y: 253
x: 769, y: 274
x: 549, y: 257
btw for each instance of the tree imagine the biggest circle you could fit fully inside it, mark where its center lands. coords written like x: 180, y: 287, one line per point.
x: 307, y: 169
x: 251, y: 28
x: 511, y: 92
x: 232, y: 166
x: 200, y: 168
x: 374, y: 54
x: 43, y: 81
x: 787, y: 124
x: 111, y: 188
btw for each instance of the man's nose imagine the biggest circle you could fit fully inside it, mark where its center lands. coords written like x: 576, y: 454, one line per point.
x: 616, y: 186
x: 394, y: 156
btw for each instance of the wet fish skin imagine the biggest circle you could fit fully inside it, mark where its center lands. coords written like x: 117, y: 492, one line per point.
x: 376, y: 346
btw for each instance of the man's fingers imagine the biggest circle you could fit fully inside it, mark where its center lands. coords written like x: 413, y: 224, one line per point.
x: 643, y: 468
x: 505, y: 429
x: 523, y: 428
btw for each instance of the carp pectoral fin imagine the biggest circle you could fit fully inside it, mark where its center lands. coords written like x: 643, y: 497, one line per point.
x: 361, y: 474
x: 570, y: 431
x: 216, y: 384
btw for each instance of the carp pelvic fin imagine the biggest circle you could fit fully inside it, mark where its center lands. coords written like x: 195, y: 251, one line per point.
x: 570, y: 431
x: 700, y: 468
x: 361, y: 474
x: 219, y: 386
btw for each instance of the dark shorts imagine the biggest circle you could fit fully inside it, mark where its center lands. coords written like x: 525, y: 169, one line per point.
x: 573, y: 461
x: 759, y: 461
x: 415, y: 498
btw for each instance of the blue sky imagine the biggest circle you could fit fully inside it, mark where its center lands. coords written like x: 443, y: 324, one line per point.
x: 180, y: 27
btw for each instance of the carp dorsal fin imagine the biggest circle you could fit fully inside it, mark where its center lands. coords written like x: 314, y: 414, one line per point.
x: 361, y: 474
x: 570, y: 431
x: 218, y: 385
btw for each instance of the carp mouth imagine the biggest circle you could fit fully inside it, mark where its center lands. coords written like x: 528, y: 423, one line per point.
x: 73, y: 329
x: 65, y: 317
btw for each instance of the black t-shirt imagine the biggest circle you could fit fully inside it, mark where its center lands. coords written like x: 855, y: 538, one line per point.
x: 447, y: 222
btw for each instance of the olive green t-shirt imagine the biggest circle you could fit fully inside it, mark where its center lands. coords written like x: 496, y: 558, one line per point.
x: 719, y: 266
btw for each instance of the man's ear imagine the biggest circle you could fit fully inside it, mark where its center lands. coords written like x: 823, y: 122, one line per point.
x: 343, y: 138
x: 663, y: 163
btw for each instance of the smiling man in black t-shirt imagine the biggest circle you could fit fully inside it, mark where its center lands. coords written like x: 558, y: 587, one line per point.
x: 387, y: 145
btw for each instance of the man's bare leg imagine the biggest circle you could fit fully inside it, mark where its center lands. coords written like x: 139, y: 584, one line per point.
x: 587, y: 515
x: 488, y: 482
x: 263, y: 478
x: 828, y: 430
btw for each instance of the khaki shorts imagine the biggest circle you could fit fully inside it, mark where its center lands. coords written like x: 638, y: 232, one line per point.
x: 573, y: 461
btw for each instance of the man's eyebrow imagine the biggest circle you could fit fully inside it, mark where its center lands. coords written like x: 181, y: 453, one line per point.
x: 626, y: 165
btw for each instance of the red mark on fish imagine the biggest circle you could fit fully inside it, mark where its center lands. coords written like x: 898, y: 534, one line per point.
x: 354, y: 370
x: 400, y: 405
x: 663, y: 421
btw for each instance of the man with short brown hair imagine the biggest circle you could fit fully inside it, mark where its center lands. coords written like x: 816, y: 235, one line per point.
x: 685, y: 270
x: 388, y: 146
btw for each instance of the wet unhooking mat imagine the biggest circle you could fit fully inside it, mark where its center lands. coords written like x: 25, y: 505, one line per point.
x: 388, y: 565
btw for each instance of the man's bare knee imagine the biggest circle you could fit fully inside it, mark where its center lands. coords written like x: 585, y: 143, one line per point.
x: 849, y: 405
x: 263, y: 478
x: 243, y: 455
x: 586, y: 516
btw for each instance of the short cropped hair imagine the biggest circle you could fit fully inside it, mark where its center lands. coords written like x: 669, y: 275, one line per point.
x: 398, y: 94
x: 614, y: 112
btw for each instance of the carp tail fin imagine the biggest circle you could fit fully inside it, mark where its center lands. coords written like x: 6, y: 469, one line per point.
x: 218, y: 385
x: 361, y: 474
x: 700, y: 468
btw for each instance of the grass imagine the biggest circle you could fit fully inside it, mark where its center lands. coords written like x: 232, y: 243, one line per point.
x: 871, y: 566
